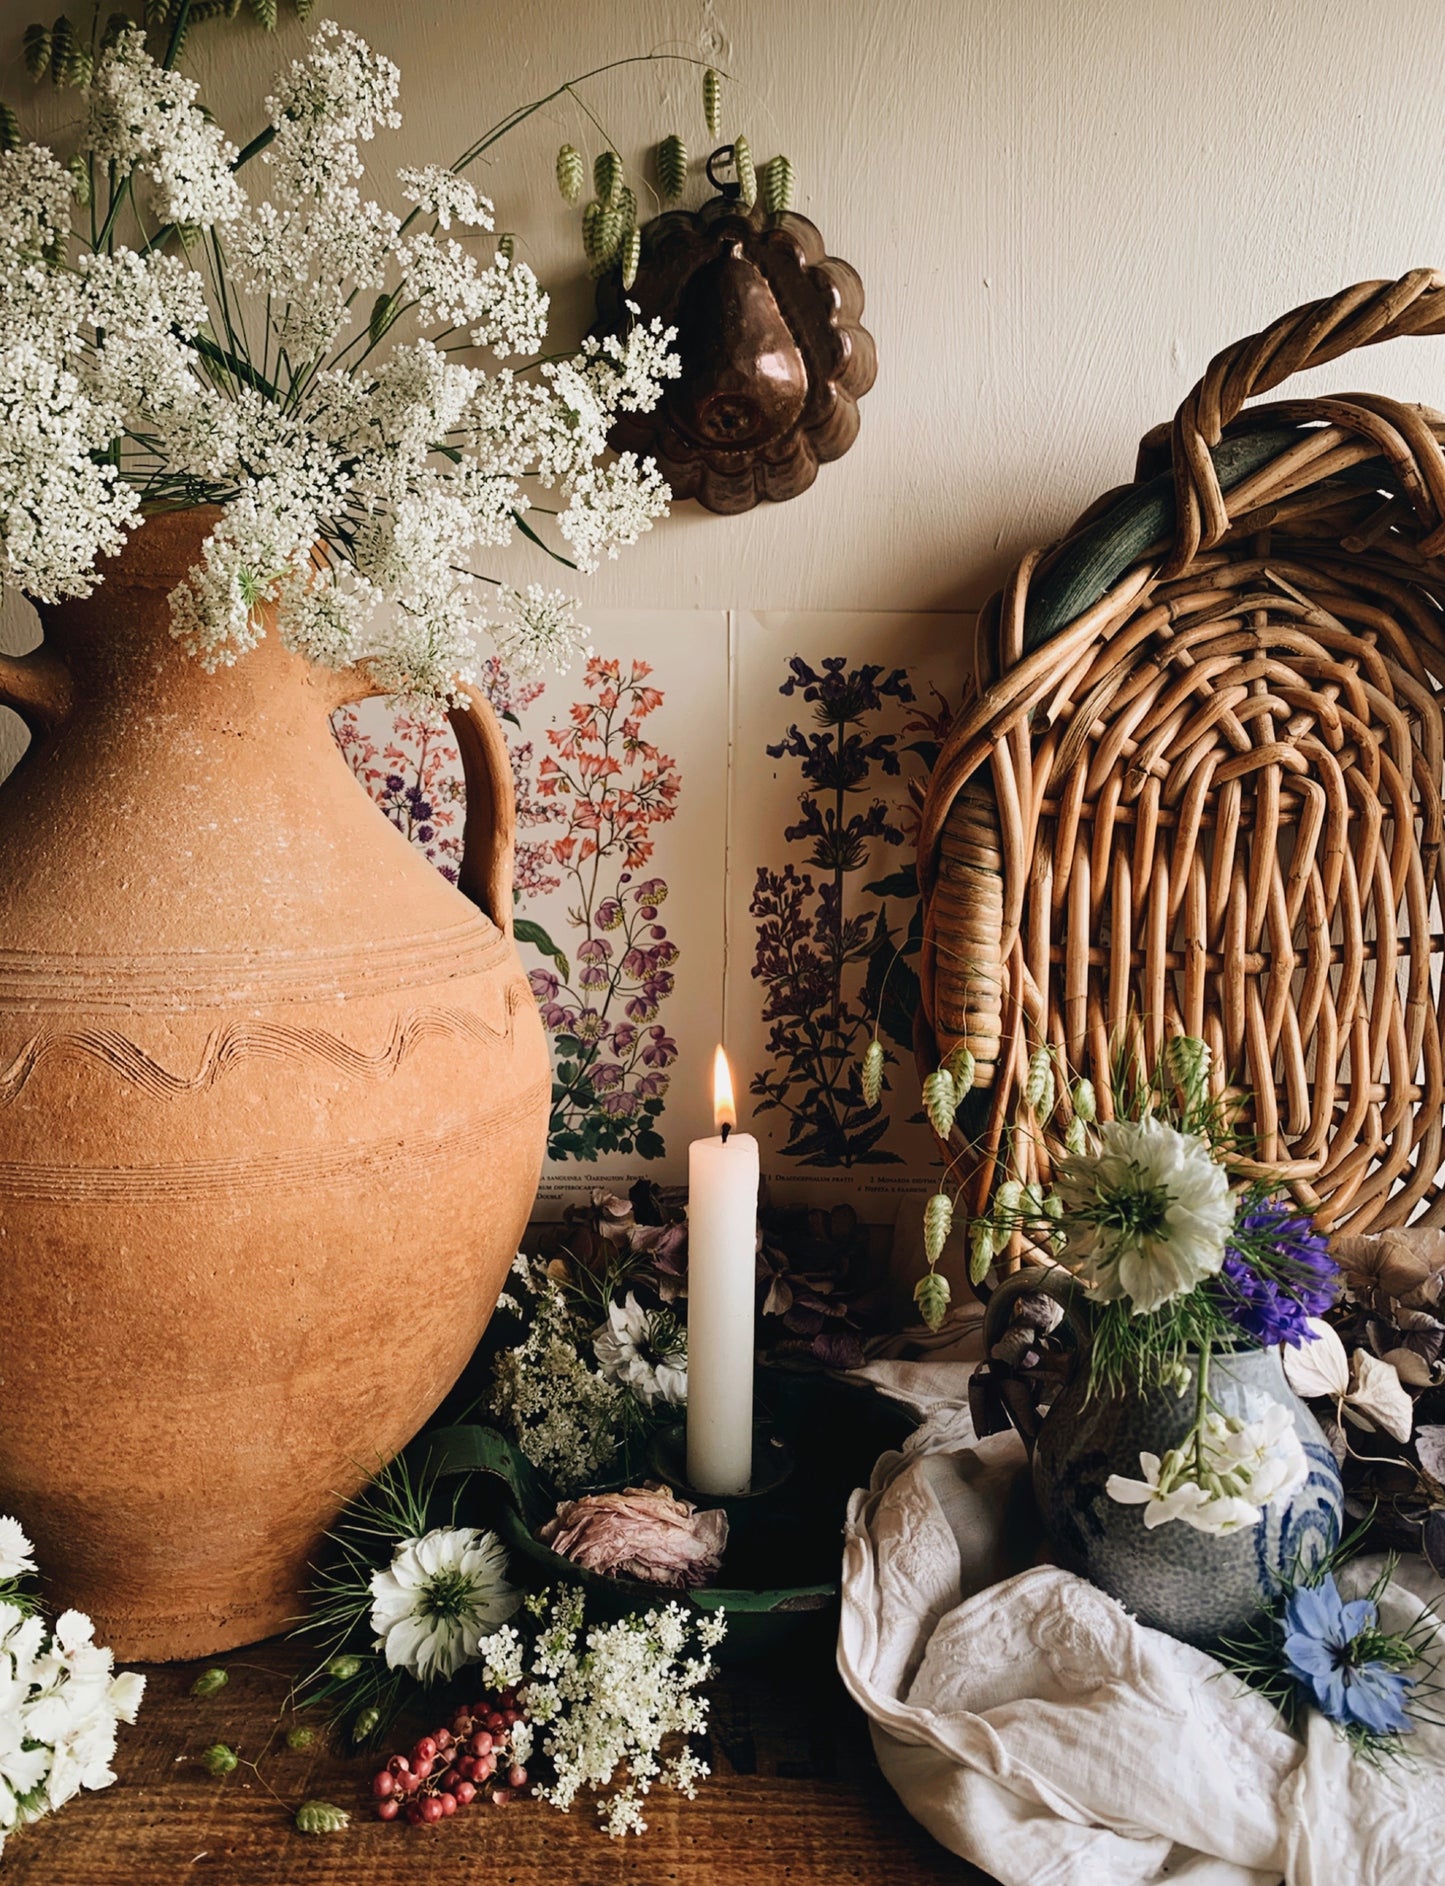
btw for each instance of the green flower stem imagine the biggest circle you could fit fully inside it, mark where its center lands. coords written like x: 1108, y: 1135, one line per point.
x: 1201, y: 1404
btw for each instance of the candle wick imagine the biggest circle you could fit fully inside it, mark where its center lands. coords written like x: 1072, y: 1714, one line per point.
x: 727, y: 1127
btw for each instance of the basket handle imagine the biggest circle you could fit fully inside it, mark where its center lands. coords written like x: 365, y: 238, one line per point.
x: 1307, y: 337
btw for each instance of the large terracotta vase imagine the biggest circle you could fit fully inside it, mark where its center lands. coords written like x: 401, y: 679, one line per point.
x: 273, y: 1102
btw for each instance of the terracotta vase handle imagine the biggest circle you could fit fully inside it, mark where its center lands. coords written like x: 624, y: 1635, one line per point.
x: 38, y: 687
x: 489, y: 834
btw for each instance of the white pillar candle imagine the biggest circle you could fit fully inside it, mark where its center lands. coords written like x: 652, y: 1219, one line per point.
x: 722, y: 1215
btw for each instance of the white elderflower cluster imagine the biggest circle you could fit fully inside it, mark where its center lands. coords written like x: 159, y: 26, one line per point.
x: 143, y: 118
x: 302, y: 373
x: 603, y: 1703
x: 60, y: 1699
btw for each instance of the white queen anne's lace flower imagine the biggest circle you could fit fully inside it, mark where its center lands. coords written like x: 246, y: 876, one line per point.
x: 303, y: 373
x: 439, y: 1597
x: 1147, y: 1214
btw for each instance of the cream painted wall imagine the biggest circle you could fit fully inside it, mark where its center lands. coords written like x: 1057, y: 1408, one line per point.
x: 1060, y: 209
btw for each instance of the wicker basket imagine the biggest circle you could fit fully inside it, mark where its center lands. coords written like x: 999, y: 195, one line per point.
x: 1199, y: 787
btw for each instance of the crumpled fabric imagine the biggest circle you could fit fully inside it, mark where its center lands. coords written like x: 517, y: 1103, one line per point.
x: 1034, y: 1727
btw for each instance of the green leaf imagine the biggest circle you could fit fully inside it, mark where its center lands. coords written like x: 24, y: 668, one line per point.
x: 902, y: 883
x: 526, y: 931
x: 380, y: 317
x: 932, y: 1294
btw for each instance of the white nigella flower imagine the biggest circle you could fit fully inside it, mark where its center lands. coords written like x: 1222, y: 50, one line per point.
x: 1147, y: 1214
x: 439, y: 1597
x: 16, y: 1552
x: 1220, y: 1478
x: 644, y: 1350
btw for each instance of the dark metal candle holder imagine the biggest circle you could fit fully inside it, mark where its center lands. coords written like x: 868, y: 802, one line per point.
x: 772, y: 1468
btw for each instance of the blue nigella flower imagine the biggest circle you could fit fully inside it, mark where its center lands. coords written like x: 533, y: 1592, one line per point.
x: 1323, y: 1652
x: 1275, y: 1305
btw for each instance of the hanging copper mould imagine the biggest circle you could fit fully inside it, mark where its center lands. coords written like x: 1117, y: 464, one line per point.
x: 774, y: 354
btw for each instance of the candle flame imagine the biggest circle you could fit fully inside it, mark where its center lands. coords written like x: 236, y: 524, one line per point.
x: 724, y: 1113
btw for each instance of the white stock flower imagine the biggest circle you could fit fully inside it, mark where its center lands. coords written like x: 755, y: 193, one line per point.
x: 60, y: 1705
x: 439, y: 1598
x: 641, y: 1351
x: 1222, y: 1475
x: 16, y: 1552
x: 1147, y: 1214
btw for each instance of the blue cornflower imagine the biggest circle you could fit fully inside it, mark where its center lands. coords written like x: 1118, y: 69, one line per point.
x: 1325, y: 1647
x: 1290, y: 1276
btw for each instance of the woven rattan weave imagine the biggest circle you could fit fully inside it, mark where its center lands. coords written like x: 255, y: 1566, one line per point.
x: 1199, y: 786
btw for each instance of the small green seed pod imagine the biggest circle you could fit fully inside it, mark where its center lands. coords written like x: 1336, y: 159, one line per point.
x: 937, y: 1223
x: 9, y: 129
x: 873, y: 1072
x: 38, y: 50
x: 671, y: 164
x: 775, y: 182
x: 265, y: 11
x: 592, y: 230
x: 570, y: 173
x: 963, y: 1068
x: 631, y: 256
x: 980, y: 1250
x: 344, y: 1666
x: 507, y: 245
x: 365, y: 1724
x: 300, y: 1736
x: 1039, y: 1089
x: 219, y: 1760
x: 931, y: 1293
x: 712, y: 100
x: 940, y: 1101
x: 321, y: 1817
x: 63, y: 44
x: 80, y: 171
x: 747, y: 171
x: 209, y: 1681
x: 607, y: 177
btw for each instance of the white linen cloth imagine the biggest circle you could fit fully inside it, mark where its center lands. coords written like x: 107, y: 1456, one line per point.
x: 1033, y: 1726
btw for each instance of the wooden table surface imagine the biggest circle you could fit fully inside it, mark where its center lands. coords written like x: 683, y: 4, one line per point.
x: 795, y: 1796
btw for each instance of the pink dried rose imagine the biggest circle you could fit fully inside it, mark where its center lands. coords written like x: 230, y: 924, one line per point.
x: 642, y: 1533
